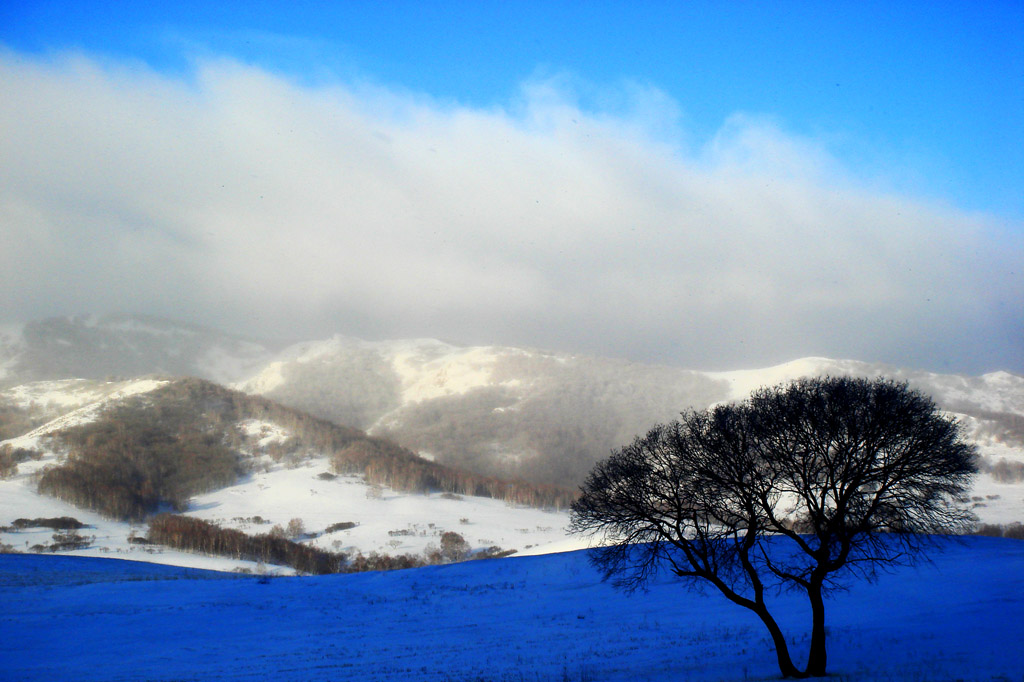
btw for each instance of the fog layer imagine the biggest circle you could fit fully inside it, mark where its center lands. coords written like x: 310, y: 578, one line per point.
x: 241, y: 199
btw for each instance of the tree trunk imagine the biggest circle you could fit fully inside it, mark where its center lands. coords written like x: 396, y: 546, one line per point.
x: 817, y: 656
x: 781, y: 648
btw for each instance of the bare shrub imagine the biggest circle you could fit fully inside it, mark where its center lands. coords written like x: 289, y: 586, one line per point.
x: 67, y: 540
x: 1014, y: 531
x: 344, y: 525
x: 454, y: 547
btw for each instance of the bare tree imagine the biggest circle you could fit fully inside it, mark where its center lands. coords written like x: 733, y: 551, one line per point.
x: 296, y: 529
x: 801, y: 486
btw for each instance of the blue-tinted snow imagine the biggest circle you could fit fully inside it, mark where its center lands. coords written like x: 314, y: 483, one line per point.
x: 533, y: 618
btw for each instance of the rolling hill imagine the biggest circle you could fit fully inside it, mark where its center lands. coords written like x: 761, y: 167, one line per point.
x: 120, y: 452
x: 539, y: 415
x: 541, y: 619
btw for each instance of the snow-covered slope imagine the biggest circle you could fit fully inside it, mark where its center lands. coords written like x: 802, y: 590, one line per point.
x: 286, y: 481
x: 542, y: 416
x: 78, y: 402
x: 993, y: 392
x: 549, y: 417
x: 538, y: 618
x: 386, y: 521
x: 74, y: 401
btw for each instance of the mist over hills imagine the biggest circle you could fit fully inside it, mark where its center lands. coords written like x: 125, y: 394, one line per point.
x: 543, y: 416
x: 122, y: 345
x: 548, y: 417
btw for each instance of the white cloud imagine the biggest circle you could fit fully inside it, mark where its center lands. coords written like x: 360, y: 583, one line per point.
x: 243, y: 200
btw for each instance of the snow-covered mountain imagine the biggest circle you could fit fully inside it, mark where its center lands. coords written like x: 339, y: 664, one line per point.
x: 507, y: 412
x: 543, y: 416
x: 333, y: 488
x: 549, y: 417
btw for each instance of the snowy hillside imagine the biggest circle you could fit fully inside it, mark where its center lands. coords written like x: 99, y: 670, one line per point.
x: 389, y: 523
x: 544, y: 619
x: 549, y: 417
x: 496, y: 411
x: 542, y: 416
x: 284, y: 478
x: 503, y: 411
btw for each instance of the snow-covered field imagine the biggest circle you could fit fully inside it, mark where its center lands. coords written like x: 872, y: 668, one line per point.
x: 386, y: 521
x: 533, y: 618
x: 393, y: 523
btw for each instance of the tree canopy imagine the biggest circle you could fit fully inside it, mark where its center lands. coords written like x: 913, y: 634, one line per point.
x: 802, y: 486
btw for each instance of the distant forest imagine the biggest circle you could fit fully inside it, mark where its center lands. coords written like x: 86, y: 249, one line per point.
x: 185, y: 532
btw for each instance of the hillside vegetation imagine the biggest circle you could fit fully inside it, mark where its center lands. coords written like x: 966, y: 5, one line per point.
x: 159, y: 449
x: 197, y: 535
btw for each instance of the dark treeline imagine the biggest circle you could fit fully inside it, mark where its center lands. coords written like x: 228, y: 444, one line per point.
x: 196, y: 535
x: 432, y: 557
x: 56, y: 523
x: 1013, y: 530
x: 184, y: 532
x: 386, y: 463
x: 384, y: 562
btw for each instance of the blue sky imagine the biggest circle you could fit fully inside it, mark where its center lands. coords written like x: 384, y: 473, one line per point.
x: 929, y: 96
x: 707, y: 184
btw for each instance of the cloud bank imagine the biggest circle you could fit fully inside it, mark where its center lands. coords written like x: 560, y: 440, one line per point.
x: 243, y: 200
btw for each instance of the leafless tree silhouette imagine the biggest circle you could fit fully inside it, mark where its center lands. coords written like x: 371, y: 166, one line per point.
x: 802, y: 486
